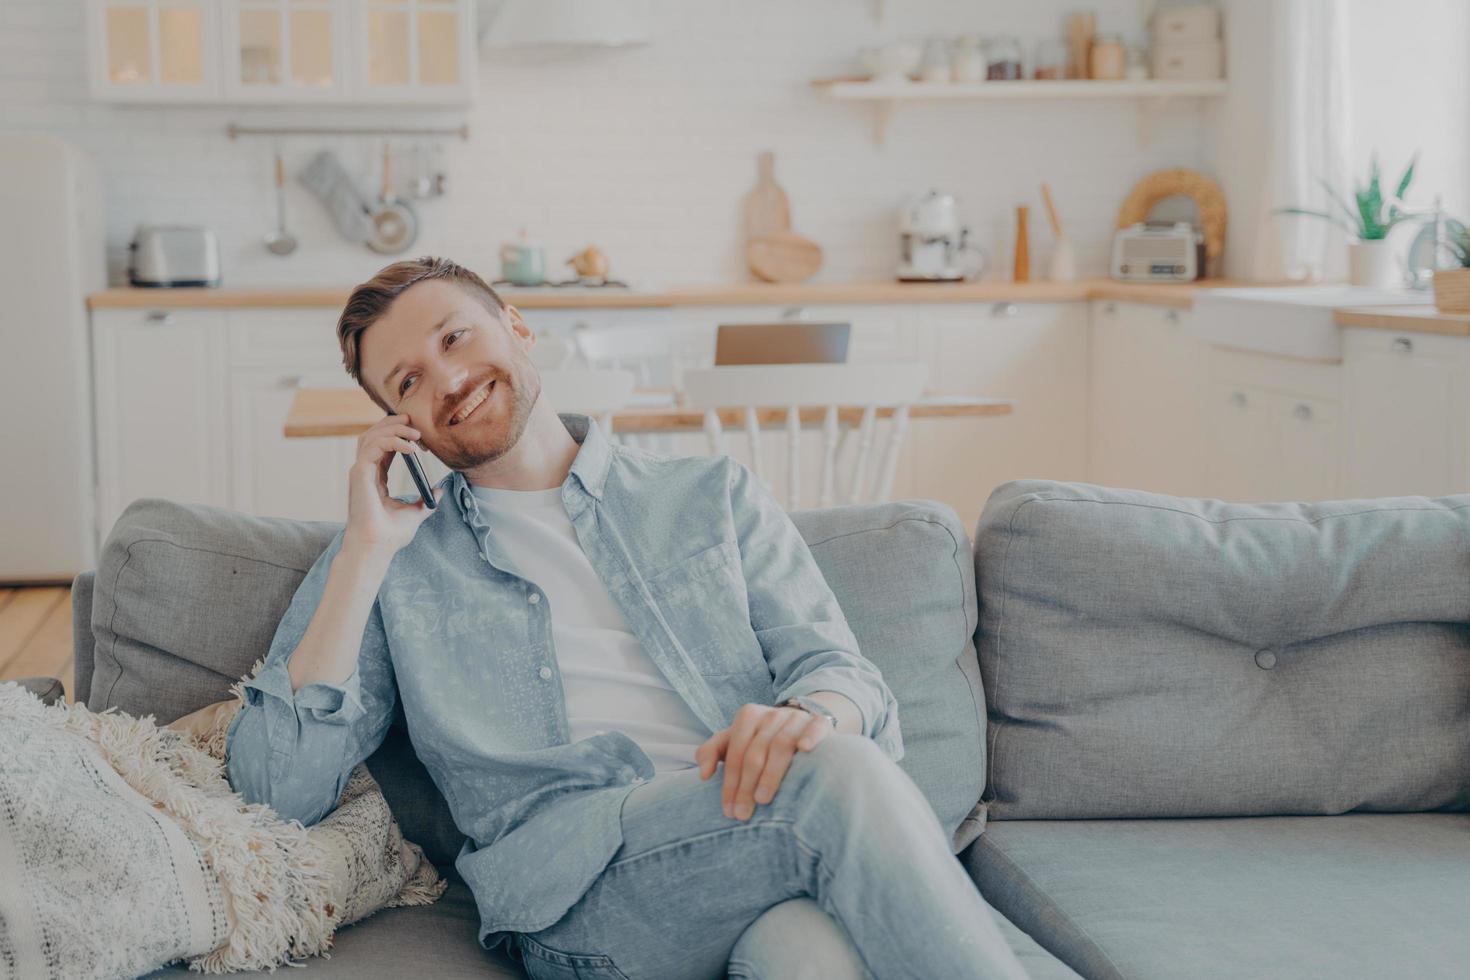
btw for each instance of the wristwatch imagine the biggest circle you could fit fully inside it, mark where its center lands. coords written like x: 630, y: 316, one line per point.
x: 810, y: 706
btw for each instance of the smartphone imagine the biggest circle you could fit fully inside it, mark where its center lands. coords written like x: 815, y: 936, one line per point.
x: 420, y: 478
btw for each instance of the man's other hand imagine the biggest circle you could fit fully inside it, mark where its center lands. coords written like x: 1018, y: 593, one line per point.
x: 757, y: 749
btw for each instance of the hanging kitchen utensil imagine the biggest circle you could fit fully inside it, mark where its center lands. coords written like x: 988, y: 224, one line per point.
x: 423, y: 186
x: 331, y: 184
x: 395, y: 225
x: 280, y: 241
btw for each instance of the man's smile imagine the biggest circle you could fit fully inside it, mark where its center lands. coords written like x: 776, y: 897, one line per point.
x: 472, y: 403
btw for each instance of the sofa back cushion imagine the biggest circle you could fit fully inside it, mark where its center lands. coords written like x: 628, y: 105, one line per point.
x: 187, y: 598
x: 1152, y: 656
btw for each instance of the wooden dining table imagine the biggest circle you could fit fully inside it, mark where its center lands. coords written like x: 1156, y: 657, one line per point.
x: 350, y: 412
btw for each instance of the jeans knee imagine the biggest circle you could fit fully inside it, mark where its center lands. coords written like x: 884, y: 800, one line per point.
x: 843, y: 765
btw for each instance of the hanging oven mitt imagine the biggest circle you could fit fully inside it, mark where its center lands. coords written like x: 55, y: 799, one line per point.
x: 330, y: 182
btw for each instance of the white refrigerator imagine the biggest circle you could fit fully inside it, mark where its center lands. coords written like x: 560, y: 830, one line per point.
x: 52, y: 256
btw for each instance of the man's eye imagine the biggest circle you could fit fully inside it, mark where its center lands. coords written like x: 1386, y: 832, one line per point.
x: 453, y: 336
x: 406, y: 382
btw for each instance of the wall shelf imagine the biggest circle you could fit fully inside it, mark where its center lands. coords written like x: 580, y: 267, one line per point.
x: 886, y: 96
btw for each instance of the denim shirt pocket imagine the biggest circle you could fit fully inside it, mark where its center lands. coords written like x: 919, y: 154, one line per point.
x: 704, y: 601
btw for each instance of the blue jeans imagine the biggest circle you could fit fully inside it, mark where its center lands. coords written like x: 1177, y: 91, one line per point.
x: 847, y: 827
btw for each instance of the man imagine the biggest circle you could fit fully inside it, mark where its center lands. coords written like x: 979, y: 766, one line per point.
x: 580, y: 636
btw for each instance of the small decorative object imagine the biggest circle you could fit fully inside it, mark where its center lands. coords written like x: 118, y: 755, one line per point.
x: 1063, y: 260
x: 590, y: 263
x: 1022, y: 270
x: 935, y: 66
x: 1370, y: 261
x: 1208, y: 199
x: 1051, y: 60
x: 1080, y: 30
x: 1003, y: 60
x: 1109, y: 58
x: 523, y: 263
x: 1452, y: 286
x: 967, y: 61
x: 1186, y: 42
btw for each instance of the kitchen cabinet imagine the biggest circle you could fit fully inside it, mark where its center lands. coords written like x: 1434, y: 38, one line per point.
x: 1272, y: 428
x: 161, y: 424
x: 277, y: 52
x: 1034, y: 354
x: 1144, y: 406
x: 154, y: 50
x: 1405, y: 396
x: 273, y: 476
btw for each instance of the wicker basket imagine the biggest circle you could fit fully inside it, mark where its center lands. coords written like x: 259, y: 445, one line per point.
x: 1452, y: 290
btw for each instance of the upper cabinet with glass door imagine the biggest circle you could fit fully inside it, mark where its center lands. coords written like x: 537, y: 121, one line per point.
x: 416, y: 50
x: 261, y: 52
x: 155, y: 50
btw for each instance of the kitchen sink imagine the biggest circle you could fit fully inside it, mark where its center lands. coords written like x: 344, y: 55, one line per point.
x: 1288, y: 321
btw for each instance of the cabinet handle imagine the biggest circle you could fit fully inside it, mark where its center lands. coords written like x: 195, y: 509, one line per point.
x: 794, y: 313
x: 289, y: 381
x: 1238, y: 399
x: 1171, y: 316
x: 1110, y: 308
x: 1403, y: 344
x: 1004, y: 309
x: 1303, y: 412
x: 159, y: 316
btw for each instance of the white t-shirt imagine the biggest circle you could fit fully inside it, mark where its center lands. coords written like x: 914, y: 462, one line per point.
x: 610, y: 682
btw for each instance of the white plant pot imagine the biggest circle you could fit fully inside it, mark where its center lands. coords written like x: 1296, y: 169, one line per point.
x: 1372, y: 264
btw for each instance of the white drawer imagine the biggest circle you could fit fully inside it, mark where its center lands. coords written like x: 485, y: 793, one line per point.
x: 289, y: 339
x: 1195, y: 22
x: 161, y: 317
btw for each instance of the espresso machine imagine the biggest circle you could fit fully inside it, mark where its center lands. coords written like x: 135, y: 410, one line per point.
x: 932, y: 245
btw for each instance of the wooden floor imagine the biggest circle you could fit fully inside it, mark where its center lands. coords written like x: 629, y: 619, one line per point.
x: 35, y: 634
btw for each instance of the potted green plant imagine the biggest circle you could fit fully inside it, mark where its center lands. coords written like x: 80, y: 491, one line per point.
x: 1370, y: 262
x: 1452, y: 286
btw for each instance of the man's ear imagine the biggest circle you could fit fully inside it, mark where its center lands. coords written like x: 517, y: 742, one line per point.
x: 518, y: 326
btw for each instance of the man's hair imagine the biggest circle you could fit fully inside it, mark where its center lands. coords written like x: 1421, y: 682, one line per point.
x: 371, y: 300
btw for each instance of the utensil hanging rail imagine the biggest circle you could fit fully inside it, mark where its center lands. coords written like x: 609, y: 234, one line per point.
x: 235, y: 132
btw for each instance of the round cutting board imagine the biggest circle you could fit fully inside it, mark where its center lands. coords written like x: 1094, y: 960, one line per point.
x: 784, y: 256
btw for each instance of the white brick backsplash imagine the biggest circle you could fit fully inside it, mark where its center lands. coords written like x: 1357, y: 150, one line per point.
x: 646, y: 152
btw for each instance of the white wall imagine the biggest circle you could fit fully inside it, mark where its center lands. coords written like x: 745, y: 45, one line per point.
x: 648, y: 153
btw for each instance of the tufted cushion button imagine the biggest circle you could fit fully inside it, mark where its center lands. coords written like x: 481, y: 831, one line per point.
x: 1265, y: 659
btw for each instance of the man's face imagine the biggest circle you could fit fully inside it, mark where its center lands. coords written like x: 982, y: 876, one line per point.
x: 461, y: 373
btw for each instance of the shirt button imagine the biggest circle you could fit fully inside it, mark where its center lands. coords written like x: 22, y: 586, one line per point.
x: 533, y: 598
x: 1265, y: 659
x: 545, y: 673
x: 637, y: 779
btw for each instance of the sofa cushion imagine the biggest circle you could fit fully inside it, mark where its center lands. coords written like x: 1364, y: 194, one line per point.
x: 903, y: 576
x: 436, y: 940
x: 1355, y: 896
x: 1146, y: 655
x: 187, y: 597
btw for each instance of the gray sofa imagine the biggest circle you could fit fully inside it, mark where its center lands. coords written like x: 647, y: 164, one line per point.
x: 1212, y: 740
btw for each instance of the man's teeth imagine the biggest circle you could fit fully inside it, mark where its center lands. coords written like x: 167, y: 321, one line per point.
x: 472, y: 404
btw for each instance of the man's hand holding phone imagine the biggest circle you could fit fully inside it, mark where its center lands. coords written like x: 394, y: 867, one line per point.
x: 376, y: 522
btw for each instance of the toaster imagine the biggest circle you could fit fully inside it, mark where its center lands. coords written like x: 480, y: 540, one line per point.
x: 174, y: 255
x: 1159, y: 253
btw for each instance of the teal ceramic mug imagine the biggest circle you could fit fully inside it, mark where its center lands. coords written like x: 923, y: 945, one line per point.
x: 523, y: 265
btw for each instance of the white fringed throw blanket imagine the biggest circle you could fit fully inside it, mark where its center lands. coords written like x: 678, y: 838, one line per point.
x: 123, y: 848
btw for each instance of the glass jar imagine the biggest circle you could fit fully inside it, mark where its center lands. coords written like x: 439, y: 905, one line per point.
x: 967, y: 60
x: 1050, y: 61
x: 1137, y: 64
x: 1003, y: 59
x: 1109, y: 58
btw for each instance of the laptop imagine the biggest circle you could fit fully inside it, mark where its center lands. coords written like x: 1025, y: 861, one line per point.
x: 787, y: 342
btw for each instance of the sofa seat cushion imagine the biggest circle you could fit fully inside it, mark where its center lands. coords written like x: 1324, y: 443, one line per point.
x: 1360, y: 895
x: 436, y: 940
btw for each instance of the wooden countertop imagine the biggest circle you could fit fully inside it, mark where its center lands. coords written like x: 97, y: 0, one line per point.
x: 349, y: 412
x: 1420, y: 319
x: 1166, y: 294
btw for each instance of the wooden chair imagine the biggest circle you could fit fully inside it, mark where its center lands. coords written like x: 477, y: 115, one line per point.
x: 656, y: 356
x: 792, y: 390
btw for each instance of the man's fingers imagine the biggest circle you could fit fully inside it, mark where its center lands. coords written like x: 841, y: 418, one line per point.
x: 741, y: 730
x: 778, y: 760
x: 757, y: 758
x: 710, y: 753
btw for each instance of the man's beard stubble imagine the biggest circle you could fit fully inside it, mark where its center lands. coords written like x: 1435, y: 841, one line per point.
x: 523, y: 385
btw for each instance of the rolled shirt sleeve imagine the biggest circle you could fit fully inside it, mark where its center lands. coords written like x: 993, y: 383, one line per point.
x: 802, y: 629
x: 294, y: 750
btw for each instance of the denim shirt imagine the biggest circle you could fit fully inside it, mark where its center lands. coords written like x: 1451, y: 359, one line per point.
x: 713, y: 579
